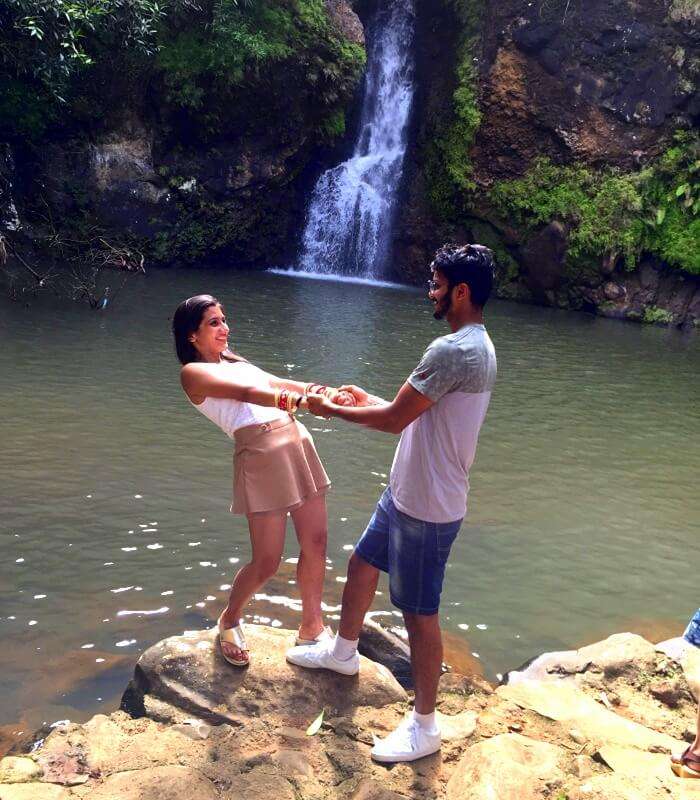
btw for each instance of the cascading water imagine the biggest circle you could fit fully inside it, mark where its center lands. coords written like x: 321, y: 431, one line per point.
x: 349, y: 221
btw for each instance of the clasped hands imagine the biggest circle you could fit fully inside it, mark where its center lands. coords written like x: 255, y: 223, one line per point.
x: 347, y: 395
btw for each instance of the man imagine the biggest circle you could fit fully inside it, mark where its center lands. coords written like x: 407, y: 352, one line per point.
x: 438, y: 411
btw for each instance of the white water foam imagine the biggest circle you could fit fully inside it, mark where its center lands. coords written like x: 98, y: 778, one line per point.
x: 331, y: 276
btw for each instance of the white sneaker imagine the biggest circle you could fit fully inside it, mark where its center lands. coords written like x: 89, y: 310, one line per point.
x: 326, y: 635
x: 407, y: 743
x: 320, y: 656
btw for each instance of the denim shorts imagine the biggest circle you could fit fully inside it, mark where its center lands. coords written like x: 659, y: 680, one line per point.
x: 412, y: 551
x: 692, y: 632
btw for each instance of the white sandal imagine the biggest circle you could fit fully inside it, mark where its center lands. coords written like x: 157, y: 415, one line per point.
x: 235, y: 637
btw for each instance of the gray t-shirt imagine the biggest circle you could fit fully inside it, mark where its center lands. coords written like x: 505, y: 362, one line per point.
x: 430, y: 474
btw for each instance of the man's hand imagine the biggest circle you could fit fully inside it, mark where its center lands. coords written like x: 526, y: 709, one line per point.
x: 360, y: 395
x: 319, y: 405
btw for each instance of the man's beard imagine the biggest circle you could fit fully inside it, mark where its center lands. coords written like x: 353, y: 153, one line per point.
x: 442, y: 307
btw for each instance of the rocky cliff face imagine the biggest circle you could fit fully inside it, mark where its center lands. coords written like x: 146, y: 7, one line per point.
x: 597, y: 87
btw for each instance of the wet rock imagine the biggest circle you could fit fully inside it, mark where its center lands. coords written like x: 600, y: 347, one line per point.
x: 158, y: 783
x: 385, y: 647
x: 543, y: 257
x: 509, y: 767
x: 613, y: 291
x: 188, y: 672
x: 16, y: 769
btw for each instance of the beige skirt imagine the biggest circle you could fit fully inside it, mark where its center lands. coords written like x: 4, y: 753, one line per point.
x: 275, y: 468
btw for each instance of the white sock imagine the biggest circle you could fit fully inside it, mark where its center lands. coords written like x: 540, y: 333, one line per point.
x: 344, y: 649
x: 426, y: 721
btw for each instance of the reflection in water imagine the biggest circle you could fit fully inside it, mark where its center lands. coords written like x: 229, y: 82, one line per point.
x: 115, y: 493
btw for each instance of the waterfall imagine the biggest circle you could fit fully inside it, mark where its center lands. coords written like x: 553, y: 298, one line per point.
x: 350, y: 216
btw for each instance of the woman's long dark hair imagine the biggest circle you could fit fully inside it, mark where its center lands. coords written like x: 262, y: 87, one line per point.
x: 186, y: 320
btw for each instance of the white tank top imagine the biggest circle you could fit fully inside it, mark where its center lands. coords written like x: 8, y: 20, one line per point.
x: 230, y: 414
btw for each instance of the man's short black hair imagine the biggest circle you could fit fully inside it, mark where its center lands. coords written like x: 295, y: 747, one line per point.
x: 467, y: 263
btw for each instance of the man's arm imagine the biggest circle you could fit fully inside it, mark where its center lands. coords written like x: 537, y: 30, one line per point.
x: 391, y: 417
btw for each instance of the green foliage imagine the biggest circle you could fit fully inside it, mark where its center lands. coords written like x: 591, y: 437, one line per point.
x: 333, y: 126
x: 672, y: 196
x: 207, y: 66
x: 51, y: 40
x: 221, y: 65
x: 685, y: 10
x: 24, y: 111
x: 455, y: 143
x: 611, y: 214
x: 657, y: 316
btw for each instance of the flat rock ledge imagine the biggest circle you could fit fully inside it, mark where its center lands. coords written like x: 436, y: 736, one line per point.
x: 592, y: 724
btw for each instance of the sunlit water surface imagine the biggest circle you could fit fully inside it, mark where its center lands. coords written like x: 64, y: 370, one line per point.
x: 114, y: 518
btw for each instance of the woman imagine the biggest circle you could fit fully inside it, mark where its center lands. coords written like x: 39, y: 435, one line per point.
x: 276, y: 468
x: 687, y: 763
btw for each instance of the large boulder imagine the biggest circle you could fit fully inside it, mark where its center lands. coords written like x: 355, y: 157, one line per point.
x: 189, y: 673
x: 385, y: 647
x: 572, y: 709
x: 507, y: 767
x: 157, y: 783
x: 619, y: 654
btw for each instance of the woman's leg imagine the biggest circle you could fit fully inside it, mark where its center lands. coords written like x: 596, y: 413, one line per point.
x: 311, y: 525
x: 267, y: 541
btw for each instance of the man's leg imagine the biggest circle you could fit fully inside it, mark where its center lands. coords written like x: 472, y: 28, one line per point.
x: 418, y: 553
x: 358, y: 594
x: 425, y: 640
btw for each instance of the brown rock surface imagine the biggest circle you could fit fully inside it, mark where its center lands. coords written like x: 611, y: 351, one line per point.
x: 33, y: 791
x: 156, y: 783
x: 189, y: 673
x: 589, y: 727
x: 508, y: 767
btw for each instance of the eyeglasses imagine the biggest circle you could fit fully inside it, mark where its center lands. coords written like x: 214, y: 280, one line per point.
x: 433, y: 286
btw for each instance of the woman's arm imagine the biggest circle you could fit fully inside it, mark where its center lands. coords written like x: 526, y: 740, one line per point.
x: 285, y: 383
x: 342, y: 396
x: 200, y: 380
